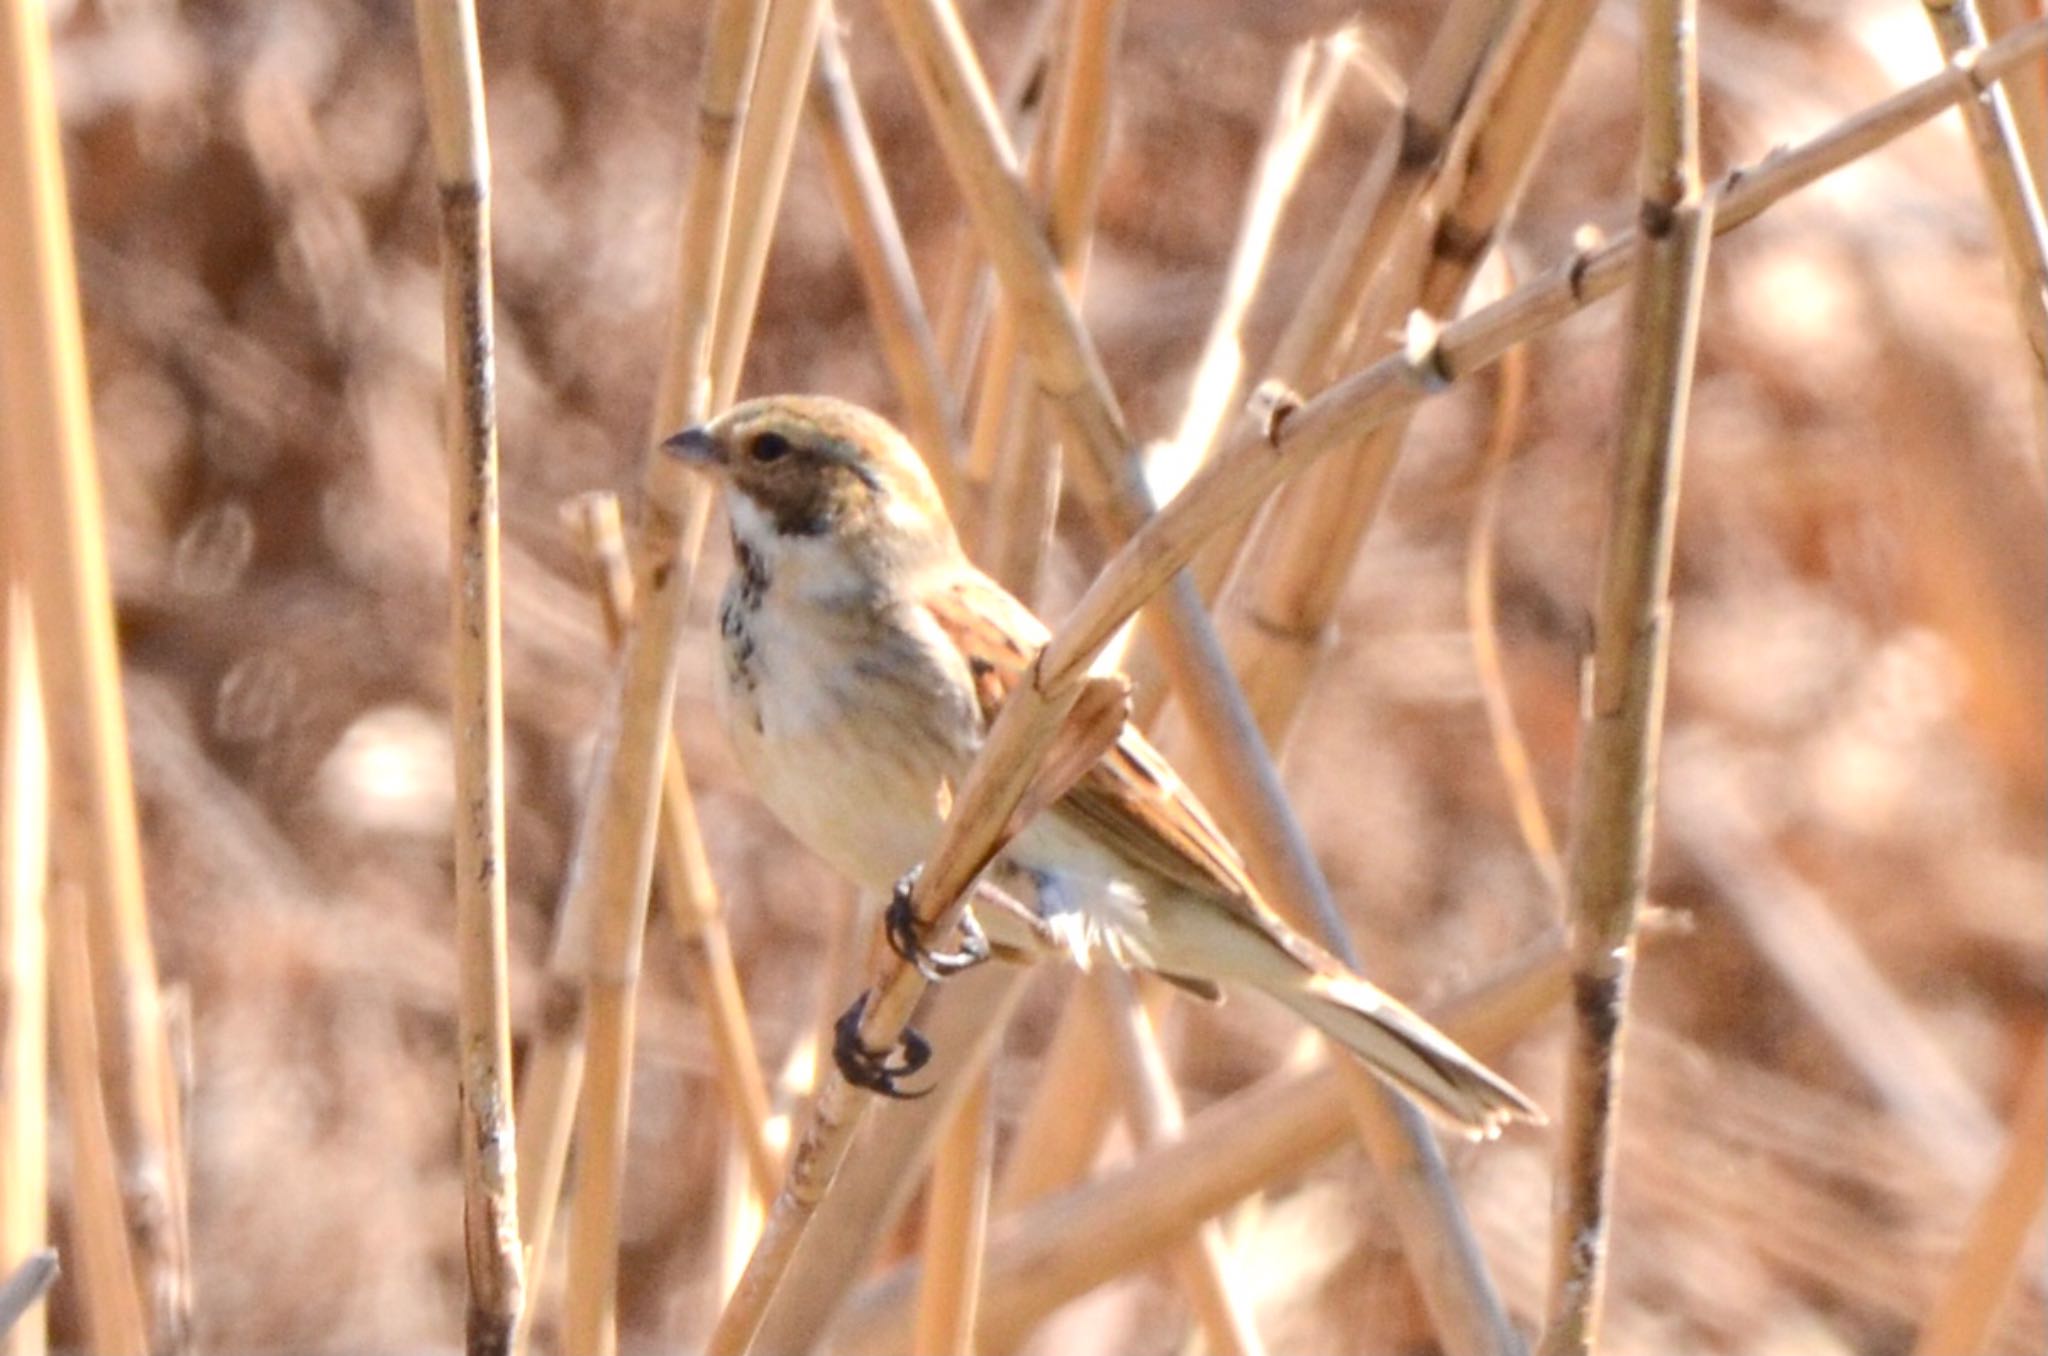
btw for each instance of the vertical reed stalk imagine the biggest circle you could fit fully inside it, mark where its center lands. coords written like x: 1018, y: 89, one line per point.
x: 613, y: 883
x: 683, y: 871
x: 453, y: 71
x: 956, y: 1228
x: 46, y: 434
x: 882, y: 260
x: 1152, y: 1108
x: 1614, y: 806
x: 101, y: 1253
x: 782, y: 77
x: 24, y: 979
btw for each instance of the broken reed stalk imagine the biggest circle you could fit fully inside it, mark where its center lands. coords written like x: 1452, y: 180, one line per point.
x: 24, y: 975
x: 610, y: 889
x: 1989, y: 1261
x: 1152, y: 1109
x: 781, y: 80
x: 1614, y: 805
x: 1064, y: 1245
x: 683, y: 869
x: 46, y: 438
x: 1225, y: 490
x: 1483, y: 621
x: 453, y: 71
x: 2008, y: 182
x: 882, y: 261
x: 100, y: 1247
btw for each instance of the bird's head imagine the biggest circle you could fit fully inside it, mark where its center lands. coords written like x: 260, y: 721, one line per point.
x: 822, y: 481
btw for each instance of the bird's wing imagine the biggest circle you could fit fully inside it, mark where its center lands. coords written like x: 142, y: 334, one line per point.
x: 1131, y: 798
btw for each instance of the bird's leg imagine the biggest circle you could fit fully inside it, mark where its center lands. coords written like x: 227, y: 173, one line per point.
x: 901, y: 926
x: 877, y: 1070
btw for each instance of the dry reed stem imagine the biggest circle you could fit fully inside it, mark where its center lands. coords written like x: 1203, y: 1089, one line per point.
x: 1308, y: 86
x: 46, y: 434
x: 1221, y: 493
x: 1482, y: 620
x: 683, y: 868
x: 610, y: 886
x: 1287, y: 600
x: 956, y: 1228
x: 1065, y: 1245
x: 1152, y: 1109
x: 1989, y: 1260
x: 1070, y: 375
x: 782, y: 78
x: 882, y: 261
x: 1234, y: 483
x: 1062, y: 1129
x: 2009, y: 183
x: 100, y: 1245
x: 25, y: 1284
x: 1066, y: 170
x: 24, y: 977
x: 2027, y: 89
x: 1407, y: 159
x: 1614, y: 804
x: 453, y: 73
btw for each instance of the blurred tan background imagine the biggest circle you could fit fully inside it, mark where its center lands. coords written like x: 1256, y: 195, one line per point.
x: 1855, y: 755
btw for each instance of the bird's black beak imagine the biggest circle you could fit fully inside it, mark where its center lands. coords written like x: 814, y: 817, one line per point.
x: 696, y: 446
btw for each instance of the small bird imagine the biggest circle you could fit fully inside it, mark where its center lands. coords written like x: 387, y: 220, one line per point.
x: 864, y: 659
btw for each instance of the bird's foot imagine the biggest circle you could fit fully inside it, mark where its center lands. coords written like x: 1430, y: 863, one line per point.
x: 901, y: 926
x: 877, y: 1070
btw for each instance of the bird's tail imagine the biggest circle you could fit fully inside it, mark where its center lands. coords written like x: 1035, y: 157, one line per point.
x: 1401, y: 1047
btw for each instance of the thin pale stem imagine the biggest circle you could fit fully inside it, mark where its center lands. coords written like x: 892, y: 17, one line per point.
x: 453, y: 73
x: 24, y: 976
x: 1152, y: 1108
x: 956, y: 1229
x: 1613, y: 808
x: 606, y: 912
x: 882, y: 261
x: 46, y: 434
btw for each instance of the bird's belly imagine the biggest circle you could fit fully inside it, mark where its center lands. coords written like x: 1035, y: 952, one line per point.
x: 855, y: 766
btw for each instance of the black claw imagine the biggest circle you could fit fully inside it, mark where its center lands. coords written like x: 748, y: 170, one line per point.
x: 874, y: 1069
x: 900, y: 924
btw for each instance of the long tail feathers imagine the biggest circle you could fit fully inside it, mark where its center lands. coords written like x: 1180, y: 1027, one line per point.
x: 1401, y: 1047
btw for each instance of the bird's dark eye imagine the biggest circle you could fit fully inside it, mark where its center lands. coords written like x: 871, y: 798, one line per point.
x: 769, y: 447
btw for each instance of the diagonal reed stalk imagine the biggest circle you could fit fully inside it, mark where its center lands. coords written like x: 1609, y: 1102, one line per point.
x: 24, y: 975
x: 46, y: 438
x: 1221, y: 494
x: 609, y: 888
x: 1614, y: 806
x: 453, y: 72
x: 1043, y: 1255
x: 2009, y: 182
x: 1989, y: 1261
x: 882, y: 261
